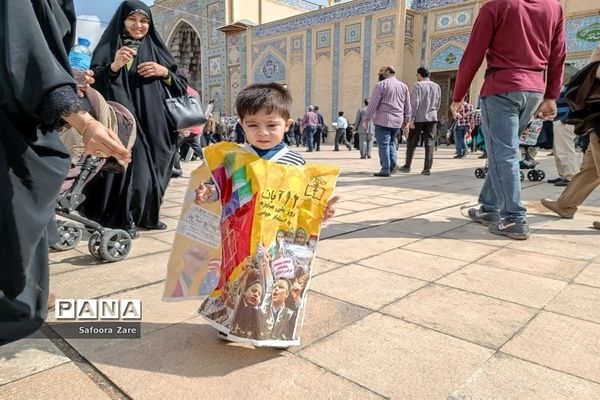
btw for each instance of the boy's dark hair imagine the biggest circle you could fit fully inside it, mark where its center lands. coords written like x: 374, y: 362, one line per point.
x: 423, y: 72
x: 366, y: 102
x: 272, y: 97
x: 340, y: 113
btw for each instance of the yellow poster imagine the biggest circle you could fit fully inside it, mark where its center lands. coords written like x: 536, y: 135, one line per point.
x: 254, y: 246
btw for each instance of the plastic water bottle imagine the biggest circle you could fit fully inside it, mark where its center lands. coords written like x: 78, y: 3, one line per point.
x: 80, y: 59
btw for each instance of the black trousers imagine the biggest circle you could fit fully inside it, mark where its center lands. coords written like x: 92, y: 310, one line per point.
x: 426, y: 130
x: 317, y: 138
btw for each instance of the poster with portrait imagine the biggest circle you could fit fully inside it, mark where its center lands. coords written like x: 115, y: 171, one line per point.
x: 269, y: 221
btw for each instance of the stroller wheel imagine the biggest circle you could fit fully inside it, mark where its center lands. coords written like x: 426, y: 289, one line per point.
x: 480, y: 173
x: 115, y: 245
x: 541, y: 175
x: 69, y: 237
x: 94, y: 245
x: 522, y: 175
x: 532, y: 175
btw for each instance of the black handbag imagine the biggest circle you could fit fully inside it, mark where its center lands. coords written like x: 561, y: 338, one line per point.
x: 183, y: 112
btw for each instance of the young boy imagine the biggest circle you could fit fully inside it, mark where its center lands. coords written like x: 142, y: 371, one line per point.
x: 264, y: 113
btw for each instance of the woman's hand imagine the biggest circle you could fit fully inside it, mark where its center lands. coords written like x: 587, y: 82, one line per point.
x: 122, y: 57
x: 89, y: 80
x: 151, y: 69
x: 97, y: 138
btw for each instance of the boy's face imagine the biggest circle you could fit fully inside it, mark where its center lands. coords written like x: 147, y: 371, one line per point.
x: 265, y: 131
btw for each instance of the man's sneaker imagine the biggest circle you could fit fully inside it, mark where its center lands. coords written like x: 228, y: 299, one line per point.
x: 552, y: 205
x: 426, y: 172
x: 483, y: 217
x: 596, y: 224
x: 562, y: 183
x: 511, y: 228
x: 403, y: 168
x: 553, y: 181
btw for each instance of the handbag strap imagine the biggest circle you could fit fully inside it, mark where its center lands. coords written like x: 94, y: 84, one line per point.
x: 168, y: 93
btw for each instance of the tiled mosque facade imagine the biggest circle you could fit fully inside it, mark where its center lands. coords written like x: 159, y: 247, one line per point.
x: 330, y: 56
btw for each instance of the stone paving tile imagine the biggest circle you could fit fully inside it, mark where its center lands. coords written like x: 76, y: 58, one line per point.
x: 171, y: 212
x: 163, y: 236
x: 397, y: 359
x: 561, y: 343
x: 590, y: 276
x: 506, y: 377
x: 57, y: 257
x: 356, y: 205
x: 352, y: 247
x: 363, y: 286
x: 578, y: 301
x: 109, y: 278
x: 28, y: 357
x: 507, y: 285
x: 479, y: 319
x: 467, y: 251
x: 414, y: 264
x: 326, y: 315
x: 64, y: 382
x: 559, y: 248
x: 322, y: 265
x: 476, y: 233
x: 193, y: 363
x: 156, y: 315
x: 559, y: 268
x: 392, y: 200
x: 426, y: 225
x: 335, y: 228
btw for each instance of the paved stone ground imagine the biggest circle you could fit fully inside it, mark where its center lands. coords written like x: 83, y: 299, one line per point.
x: 409, y: 300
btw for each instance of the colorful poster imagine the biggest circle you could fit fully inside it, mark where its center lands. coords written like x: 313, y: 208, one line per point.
x: 269, y: 222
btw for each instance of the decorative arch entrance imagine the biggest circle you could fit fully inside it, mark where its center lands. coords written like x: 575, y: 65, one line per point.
x: 185, y: 46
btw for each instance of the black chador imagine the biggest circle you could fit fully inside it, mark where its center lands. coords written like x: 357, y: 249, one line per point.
x: 134, y: 198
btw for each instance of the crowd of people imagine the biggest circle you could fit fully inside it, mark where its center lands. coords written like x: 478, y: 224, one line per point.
x: 131, y: 65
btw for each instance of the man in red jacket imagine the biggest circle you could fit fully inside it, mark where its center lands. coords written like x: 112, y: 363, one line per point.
x: 523, y: 42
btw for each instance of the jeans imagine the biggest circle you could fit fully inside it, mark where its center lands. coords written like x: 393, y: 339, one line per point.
x: 365, y: 144
x: 309, y: 133
x: 505, y: 116
x: 459, y: 139
x: 386, y: 147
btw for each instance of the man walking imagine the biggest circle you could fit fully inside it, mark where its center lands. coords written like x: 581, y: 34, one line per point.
x: 309, y: 127
x: 390, y: 105
x: 319, y: 130
x: 340, y: 132
x: 565, y: 156
x: 513, y: 90
x: 425, y: 99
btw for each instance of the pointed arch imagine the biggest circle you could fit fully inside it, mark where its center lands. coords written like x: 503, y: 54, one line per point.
x: 270, y: 68
x: 185, y: 44
x: 446, y: 58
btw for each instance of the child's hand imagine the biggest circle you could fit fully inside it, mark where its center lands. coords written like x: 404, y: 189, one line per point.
x: 203, y: 193
x: 330, y: 209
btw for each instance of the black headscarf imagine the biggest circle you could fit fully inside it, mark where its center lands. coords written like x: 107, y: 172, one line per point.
x: 152, y: 48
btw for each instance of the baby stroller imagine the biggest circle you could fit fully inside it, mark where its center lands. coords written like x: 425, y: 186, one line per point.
x: 527, y: 145
x: 104, y: 244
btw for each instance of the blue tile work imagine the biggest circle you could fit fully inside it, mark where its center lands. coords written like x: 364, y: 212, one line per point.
x: 352, y: 33
x: 214, y: 14
x: 462, y: 18
x: 279, y: 45
x: 244, y: 60
x: 336, y: 71
x: 448, y: 58
x: 583, y: 34
x: 367, y: 57
x: 427, y: 4
x: 386, y: 26
x: 308, y: 87
x: 438, y: 43
x: 323, y: 39
x: 303, y: 5
x: 270, y: 69
x: 297, y: 43
x: 424, y: 38
x: 328, y: 15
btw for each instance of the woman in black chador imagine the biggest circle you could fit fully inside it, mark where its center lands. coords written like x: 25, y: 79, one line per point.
x: 37, y: 91
x: 134, y: 67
